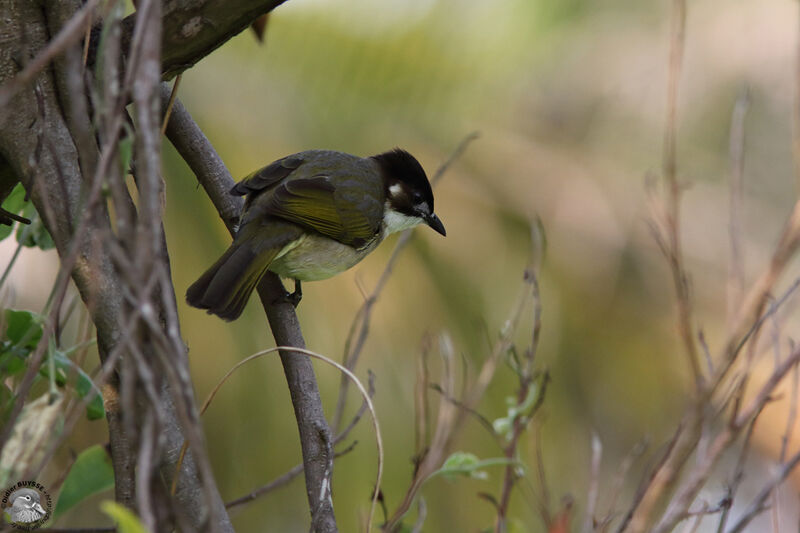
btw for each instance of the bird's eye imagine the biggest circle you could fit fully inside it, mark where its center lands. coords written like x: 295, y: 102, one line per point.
x: 28, y: 498
x: 417, y: 197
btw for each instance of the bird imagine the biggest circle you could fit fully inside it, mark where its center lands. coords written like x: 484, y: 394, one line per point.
x: 310, y: 216
x: 24, y: 506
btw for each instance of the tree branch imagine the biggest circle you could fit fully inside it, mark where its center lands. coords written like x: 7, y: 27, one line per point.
x: 192, y: 30
x: 315, y: 434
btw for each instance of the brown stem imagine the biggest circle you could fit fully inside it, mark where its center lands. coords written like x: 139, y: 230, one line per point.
x: 315, y: 435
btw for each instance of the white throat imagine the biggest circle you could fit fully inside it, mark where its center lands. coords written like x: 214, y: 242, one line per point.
x: 394, y: 221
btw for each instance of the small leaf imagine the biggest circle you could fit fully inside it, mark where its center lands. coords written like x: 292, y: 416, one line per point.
x: 125, y: 146
x: 460, y: 460
x: 463, y: 463
x: 502, y: 426
x: 34, y: 235
x: 12, y: 363
x: 13, y: 203
x: 23, y: 328
x: 23, y: 331
x: 83, y: 384
x: 126, y: 520
x: 91, y: 473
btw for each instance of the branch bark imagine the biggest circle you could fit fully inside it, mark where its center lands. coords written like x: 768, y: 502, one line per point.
x: 192, y: 30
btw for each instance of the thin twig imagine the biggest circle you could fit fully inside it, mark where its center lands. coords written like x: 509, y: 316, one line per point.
x: 359, y: 329
x: 365, y: 395
x: 278, y: 482
x: 759, y: 502
x: 594, y: 483
x: 792, y: 417
x: 674, y: 190
x: 738, y: 477
x: 736, y: 157
x: 619, y: 480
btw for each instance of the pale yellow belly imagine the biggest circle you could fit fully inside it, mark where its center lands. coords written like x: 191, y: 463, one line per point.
x: 314, y: 257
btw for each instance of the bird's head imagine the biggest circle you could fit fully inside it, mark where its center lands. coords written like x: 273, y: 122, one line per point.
x: 25, y: 501
x: 409, y: 198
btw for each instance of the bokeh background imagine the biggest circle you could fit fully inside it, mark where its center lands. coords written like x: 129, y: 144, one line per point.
x: 569, y: 99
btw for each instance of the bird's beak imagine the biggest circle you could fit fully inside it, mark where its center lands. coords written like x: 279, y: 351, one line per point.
x: 37, y: 507
x: 436, y: 224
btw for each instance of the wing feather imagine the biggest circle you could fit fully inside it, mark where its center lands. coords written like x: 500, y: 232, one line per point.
x: 317, y: 204
x: 328, y: 192
x: 268, y: 176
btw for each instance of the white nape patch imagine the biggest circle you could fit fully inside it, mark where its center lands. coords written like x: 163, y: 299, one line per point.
x: 395, y: 190
x: 394, y: 221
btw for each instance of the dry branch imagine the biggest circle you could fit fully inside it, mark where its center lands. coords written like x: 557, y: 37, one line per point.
x: 315, y: 434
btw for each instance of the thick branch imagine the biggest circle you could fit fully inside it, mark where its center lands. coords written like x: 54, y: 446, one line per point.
x: 192, y: 30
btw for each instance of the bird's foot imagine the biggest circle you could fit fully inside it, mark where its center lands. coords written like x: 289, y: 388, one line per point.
x: 295, y: 297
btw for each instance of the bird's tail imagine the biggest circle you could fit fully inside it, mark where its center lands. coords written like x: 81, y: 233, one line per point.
x: 224, y: 288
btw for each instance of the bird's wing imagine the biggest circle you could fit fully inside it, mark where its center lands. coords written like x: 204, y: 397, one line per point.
x: 346, y: 213
x: 268, y: 176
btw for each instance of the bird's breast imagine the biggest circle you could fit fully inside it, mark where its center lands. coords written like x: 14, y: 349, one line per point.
x: 314, y: 257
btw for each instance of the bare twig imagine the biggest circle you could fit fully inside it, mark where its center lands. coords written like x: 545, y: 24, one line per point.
x: 422, y: 513
x: 544, y: 500
x: 674, y: 190
x: 359, y: 329
x: 737, y: 478
x: 279, y: 482
x: 759, y: 502
x: 450, y: 418
x: 619, y: 479
x: 365, y: 395
x: 736, y: 157
x: 421, y: 401
x: 527, y: 385
x: 700, y: 473
x: 743, y: 327
x: 594, y: 483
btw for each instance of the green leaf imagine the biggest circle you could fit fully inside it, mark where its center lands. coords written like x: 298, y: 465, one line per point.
x: 468, y: 464
x: 23, y: 328
x: 125, y: 146
x: 34, y: 235
x: 91, y: 473
x: 23, y: 331
x: 465, y: 464
x: 13, y: 203
x: 83, y: 385
x: 126, y: 520
x: 503, y: 426
x: 11, y: 363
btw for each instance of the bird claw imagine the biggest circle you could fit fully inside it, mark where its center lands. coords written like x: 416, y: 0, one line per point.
x: 295, y: 297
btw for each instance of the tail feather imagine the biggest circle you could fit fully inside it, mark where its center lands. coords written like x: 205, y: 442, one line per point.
x: 225, y: 288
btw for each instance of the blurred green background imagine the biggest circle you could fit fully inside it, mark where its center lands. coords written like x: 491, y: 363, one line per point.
x: 569, y: 99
